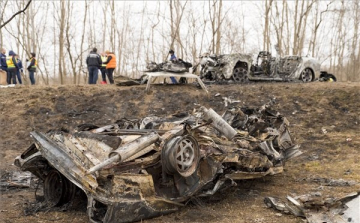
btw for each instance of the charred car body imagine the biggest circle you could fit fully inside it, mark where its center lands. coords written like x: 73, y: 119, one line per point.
x: 177, y: 66
x: 142, y: 168
x: 226, y: 67
x: 239, y: 68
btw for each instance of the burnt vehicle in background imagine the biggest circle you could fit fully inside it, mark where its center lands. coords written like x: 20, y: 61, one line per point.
x: 177, y: 66
x: 227, y: 67
x: 305, y: 69
x: 142, y: 168
x: 239, y: 68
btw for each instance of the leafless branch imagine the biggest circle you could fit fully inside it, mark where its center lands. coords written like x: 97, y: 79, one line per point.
x: 21, y: 11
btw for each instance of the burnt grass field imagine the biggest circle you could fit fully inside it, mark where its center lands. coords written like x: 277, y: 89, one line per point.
x: 324, y: 119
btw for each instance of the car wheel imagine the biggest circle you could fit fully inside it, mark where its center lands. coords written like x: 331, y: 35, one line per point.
x: 181, y: 155
x: 57, y: 189
x: 306, y: 75
x: 240, y: 74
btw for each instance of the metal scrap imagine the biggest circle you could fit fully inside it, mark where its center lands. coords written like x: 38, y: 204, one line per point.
x: 317, y: 208
x: 16, y: 180
x: 142, y: 168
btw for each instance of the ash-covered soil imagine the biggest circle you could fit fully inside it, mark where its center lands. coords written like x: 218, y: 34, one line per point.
x: 324, y: 119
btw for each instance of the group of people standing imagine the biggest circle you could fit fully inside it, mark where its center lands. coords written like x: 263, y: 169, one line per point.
x: 12, y: 65
x: 106, y: 62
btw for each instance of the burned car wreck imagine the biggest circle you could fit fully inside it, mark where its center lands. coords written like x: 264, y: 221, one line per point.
x: 142, y: 168
x: 178, y: 66
x: 240, y: 68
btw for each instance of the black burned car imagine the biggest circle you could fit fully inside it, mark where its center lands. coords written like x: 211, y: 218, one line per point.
x: 178, y: 66
x: 142, y: 168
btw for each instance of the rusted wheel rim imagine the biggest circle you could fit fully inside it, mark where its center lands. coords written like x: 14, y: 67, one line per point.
x: 181, y: 155
x: 240, y: 74
x: 185, y: 155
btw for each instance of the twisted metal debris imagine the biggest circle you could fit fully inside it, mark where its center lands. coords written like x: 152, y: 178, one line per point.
x: 141, y: 168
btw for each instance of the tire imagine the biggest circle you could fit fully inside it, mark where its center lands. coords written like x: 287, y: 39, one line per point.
x: 57, y: 189
x: 307, y: 75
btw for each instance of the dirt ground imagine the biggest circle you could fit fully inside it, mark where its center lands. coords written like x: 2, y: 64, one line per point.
x: 324, y: 119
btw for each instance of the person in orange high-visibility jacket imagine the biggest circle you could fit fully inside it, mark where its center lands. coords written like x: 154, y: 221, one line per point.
x: 110, y: 65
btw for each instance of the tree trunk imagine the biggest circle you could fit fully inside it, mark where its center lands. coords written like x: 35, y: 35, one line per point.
x: 355, y: 72
x: 218, y: 30
x: 81, y: 45
x: 61, y: 40
x: 266, y: 44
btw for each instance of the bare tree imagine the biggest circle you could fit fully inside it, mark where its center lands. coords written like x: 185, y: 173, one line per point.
x: 300, y: 23
x: 215, y: 18
x: 123, y: 35
x: 175, y: 21
x: 355, y: 60
x: 266, y: 44
x: 3, y: 5
x: 340, y: 40
x: 317, y: 22
x: 278, y: 23
x: 62, y: 21
x: 112, y: 25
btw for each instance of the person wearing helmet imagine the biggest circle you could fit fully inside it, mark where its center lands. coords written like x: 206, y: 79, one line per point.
x: 31, y: 67
x: 173, y: 59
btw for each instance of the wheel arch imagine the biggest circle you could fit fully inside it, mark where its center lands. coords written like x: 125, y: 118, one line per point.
x: 241, y: 63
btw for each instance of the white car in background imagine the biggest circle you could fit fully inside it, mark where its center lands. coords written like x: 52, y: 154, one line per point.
x: 240, y: 68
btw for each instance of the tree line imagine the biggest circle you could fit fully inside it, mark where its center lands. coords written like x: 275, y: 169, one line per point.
x: 63, y: 32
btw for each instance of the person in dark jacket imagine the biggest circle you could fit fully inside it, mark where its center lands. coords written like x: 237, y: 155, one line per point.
x: 94, y: 63
x: 3, y: 65
x: 173, y: 59
x: 31, y: 67
x: 20, y: 69
x: 12, y: 67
